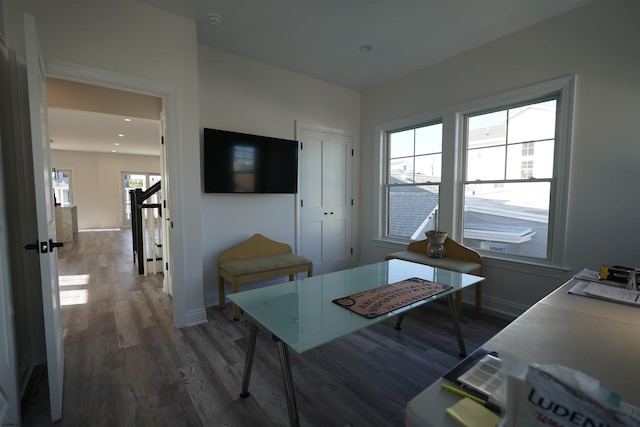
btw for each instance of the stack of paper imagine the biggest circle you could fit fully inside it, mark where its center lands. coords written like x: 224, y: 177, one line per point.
x: 605, y: 292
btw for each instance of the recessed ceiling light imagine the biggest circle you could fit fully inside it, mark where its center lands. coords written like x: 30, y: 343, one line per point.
x: 117, y: 143
x: 365, y: 48
x: 127, y: 120
x: 113, y: 151
x: 121, y: 135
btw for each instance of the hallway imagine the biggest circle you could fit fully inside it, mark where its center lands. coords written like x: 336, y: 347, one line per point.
x: 119, y: 340
x: 127, y: 365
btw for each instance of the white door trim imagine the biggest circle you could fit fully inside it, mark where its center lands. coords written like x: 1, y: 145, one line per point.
x: 70, y: 71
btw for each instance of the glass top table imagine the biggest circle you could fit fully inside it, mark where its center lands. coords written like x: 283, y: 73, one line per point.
x: 301, y: 315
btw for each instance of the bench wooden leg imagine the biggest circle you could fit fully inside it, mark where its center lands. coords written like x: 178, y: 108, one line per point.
x: 221, y: 292
x: 479, y: 296
x: 478, y: 299
x: 236, y: 310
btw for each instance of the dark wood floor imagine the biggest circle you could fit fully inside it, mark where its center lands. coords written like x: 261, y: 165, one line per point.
x: 126, y: 364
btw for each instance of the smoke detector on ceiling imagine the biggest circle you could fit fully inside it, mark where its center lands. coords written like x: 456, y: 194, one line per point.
x: 214, y: 19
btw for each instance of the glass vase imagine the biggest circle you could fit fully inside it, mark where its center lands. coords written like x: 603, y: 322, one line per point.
x: 435, y: 243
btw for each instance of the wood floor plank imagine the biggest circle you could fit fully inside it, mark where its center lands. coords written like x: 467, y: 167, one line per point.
x: 127, y: 365
x: 125, y: 324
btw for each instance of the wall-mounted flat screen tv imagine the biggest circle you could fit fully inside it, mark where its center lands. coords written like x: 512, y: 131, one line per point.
x: 242, y: 163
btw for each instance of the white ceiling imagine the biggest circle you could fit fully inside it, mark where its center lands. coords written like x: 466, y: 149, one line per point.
x: 322, y: 39
x: 98, y: 132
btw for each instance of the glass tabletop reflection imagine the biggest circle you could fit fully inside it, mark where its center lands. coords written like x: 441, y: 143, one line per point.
x: 301, y: 313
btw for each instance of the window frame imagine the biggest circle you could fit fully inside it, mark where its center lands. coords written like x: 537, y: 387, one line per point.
x: 454, y: 160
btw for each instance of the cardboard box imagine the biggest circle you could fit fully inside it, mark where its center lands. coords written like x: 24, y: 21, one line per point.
x: 615, y: 273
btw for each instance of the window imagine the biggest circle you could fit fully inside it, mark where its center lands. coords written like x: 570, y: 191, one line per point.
x: 414, y: 165
x: 496, y: 169
x: 526, y: 169
x: 513, y: 218
x: 141, y: 180
x: 527, y: 149
x: 61, y: 181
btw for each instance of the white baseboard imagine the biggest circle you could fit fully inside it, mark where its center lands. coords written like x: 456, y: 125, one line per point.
x: 211, y: 299
x: 499, y: 306
x: 197, y: 317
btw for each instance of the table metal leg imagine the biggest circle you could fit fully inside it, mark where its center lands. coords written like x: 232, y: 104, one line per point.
x: 248, y: 361
x: 294, y: 421
x: 399, y: 321
x: 456, y: 326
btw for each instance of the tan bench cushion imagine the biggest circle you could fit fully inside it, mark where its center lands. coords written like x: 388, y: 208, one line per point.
x: 262, y: 264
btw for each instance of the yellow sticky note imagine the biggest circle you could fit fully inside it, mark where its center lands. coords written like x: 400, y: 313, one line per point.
x: 472, y: 414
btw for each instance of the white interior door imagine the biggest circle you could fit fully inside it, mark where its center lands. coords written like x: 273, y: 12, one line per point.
x: 45, y: 216
x: 325, y: 199
x: 9, y: 390
x: 9, y: 394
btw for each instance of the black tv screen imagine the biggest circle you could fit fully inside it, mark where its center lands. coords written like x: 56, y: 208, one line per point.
x: 242, y: 163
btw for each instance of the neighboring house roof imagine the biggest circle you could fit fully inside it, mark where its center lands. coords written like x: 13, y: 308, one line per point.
x: 408, y: 208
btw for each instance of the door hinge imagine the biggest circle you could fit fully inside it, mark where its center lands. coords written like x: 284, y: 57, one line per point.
x: 352, y: 152
x: 162, y: 140
x: 351, y: 251
x: 301, y: 203
x: 351, y: 202
x: 166, y: 266
x: 301, y: 145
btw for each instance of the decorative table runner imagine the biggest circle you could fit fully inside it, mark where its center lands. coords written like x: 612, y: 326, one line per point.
x: 382, y: 300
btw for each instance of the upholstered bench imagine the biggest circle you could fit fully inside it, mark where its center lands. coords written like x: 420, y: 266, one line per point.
x: 457, y: 258
x: 258, y: 258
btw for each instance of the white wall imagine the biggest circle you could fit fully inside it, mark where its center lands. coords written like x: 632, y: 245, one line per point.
x: 242, y: 95
x: 152, y: 48
x: 599, y: 44
x: 97, y: 183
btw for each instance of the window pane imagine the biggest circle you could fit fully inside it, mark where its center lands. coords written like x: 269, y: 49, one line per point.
x: 401, y: 144
x: 429, y: 139
x: 532, y: 122
x: 510, y: 219
x: 541, y: 160
x: 401, y: 170
x: 411, y: 210
x: 428, y: 168
x: 131, y: 182
x: 487, y: 130
x: 60, y: 180
x: 486, y: 163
